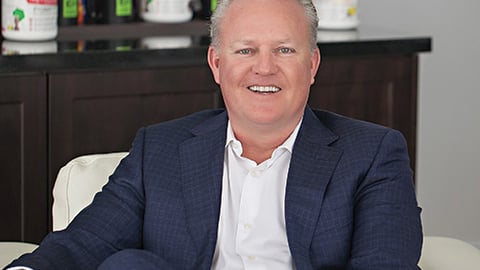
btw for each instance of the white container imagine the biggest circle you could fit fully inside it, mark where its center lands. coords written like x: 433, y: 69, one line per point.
x: 337, y: 14
x: 29, y: 20
x: 166, y: 42
x: 29, y: 47
x: 165, y: 11
x: 336, y: 35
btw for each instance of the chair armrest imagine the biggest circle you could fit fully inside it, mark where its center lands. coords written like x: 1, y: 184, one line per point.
x: 9, y: 251
x: 443, y: 253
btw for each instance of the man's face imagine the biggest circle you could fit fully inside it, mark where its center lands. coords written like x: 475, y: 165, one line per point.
x: 264, y: 63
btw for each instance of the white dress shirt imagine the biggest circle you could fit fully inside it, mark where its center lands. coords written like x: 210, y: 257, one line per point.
x: 252, y: 233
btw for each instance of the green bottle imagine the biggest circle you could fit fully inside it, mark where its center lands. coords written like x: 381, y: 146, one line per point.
x: 67, y: 12
x: 208, y: 6
x: 213, y: 5
x: 115, y: 11
x: 123, y: 8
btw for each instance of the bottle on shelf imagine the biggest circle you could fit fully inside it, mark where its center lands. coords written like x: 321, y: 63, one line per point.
x: 115, y: 11
x: 208, y: 6
x: 29, y: 20
x: 337, y: 14
x: 68, y: 12
x: 166, y: 11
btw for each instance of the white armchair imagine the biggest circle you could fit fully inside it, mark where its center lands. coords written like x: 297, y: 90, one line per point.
x: 81, y: 178
x: 75, y: 186
x: 78, y: 182
x: 12, y: 250
x: 444, y: 253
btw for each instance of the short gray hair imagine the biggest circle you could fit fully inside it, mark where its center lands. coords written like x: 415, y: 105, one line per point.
x: 222, y: 6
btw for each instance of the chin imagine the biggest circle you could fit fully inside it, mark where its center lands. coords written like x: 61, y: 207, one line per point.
x: 266, y: 119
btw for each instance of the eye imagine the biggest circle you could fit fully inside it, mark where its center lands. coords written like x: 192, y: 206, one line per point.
x: 244, y: 51
x: 286, y: 50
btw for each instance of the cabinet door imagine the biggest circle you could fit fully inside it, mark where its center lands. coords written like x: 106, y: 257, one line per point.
x: 23, y: 175
x: 96, y: 112
x: 380, y: 89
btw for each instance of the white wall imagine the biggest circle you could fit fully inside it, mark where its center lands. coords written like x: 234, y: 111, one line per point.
x: 448, y: 155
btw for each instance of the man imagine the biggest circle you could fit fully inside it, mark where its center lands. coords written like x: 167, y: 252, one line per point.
x: 267, y: 184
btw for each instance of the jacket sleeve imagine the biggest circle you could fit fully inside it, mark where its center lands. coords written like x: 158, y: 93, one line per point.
x: 387, y: 227
x: 113, y: 222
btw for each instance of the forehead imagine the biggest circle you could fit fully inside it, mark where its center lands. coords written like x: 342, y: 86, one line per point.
x: 265, y: 19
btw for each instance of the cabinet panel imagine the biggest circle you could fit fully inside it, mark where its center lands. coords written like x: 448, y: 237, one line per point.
x: 95, y: 112
x: 23, y: 175
x: 367, y: 101
x: 379, y: 89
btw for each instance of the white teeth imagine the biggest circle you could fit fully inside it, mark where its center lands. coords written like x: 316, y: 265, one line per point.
x: 264, y: 89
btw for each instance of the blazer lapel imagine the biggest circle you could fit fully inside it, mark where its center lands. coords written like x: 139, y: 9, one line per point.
x: 312, y: 164
x: 202, y: 169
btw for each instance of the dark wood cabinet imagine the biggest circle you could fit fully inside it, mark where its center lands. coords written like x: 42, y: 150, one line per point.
x: 23, y: 157
x: 55, y: 107
x: 376, y: 88
x: 94, y: 112
x: 100, y: 112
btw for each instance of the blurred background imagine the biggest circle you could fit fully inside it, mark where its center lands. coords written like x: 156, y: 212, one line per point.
x: 448, y: 146
x: 448, y: 140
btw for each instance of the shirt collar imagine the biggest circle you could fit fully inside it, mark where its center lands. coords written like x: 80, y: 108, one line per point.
x: 287, y: 144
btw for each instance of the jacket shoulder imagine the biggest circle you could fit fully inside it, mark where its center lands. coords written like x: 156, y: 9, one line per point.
x: 345, y: 126
x: 357, y: 136
x: 184, y: 126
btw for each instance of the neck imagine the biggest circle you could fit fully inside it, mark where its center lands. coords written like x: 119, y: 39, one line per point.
x: 259, y: 143
x: 260, y: 150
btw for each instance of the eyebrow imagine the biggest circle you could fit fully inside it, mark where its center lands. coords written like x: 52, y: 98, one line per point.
x: 243, y: 42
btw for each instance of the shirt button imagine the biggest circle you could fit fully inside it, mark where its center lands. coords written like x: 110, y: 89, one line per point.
x: 253, y: 173
x: 247, y: 226
x: 251, y: 258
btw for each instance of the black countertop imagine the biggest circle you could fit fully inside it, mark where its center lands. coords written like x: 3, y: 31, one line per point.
x: 149, y: 45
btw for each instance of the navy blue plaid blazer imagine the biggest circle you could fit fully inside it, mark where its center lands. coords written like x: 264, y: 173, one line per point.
x: 350, y: 201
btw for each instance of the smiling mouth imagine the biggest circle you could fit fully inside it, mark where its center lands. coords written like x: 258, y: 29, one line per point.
x: 264, y: 89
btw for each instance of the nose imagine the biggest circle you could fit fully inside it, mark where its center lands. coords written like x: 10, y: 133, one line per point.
x: 265, y: 63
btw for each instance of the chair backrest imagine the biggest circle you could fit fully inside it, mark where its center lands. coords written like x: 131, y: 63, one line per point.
x: 444, y: 253
x: 78, y: 182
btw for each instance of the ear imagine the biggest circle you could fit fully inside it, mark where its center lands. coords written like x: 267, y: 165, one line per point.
x: 315, y: 62
x: 213, y: 62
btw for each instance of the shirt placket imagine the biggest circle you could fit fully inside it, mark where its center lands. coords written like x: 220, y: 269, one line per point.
x: 248, y: 212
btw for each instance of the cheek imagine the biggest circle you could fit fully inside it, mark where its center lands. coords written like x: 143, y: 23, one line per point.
x: 231, y: 74
x: 228, y: 83
x: 300, y: 75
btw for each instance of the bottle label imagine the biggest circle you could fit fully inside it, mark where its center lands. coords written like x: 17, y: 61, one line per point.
x: 70, y: 9
x: 123, y: 8
x: 29, y: 16
x: 42, y: 2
